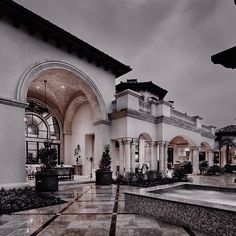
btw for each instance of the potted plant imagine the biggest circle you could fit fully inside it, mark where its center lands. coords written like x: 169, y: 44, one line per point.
x: 104, y: 174
x: 46, y: 180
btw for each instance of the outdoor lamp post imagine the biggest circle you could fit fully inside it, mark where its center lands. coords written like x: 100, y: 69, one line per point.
x: 91, y: 171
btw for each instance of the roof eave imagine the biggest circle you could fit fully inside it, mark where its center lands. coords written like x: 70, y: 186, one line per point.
x: 21, y: 16
x: 226, y: 58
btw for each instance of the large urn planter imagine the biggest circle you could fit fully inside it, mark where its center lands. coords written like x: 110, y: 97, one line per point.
x: 46, y: 182
x: 103, y: 177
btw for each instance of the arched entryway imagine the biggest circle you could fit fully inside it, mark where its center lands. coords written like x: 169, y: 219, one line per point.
x: 179, y: 150
x: 75, y: 104
x: 144, y: 141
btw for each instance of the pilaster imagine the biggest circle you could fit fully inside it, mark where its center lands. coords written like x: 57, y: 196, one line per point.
x: 196, y: 160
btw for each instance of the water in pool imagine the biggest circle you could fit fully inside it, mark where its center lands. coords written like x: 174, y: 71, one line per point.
x: 226, y: 198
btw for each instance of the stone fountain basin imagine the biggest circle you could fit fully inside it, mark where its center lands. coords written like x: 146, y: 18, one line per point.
x: 210, y: 209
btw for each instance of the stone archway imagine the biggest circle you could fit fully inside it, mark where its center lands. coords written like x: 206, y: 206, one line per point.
x: 181, y: 146
x: 68, y: 89
x: 144, y: 141
x: 206, y: 153
x: 88, y: 85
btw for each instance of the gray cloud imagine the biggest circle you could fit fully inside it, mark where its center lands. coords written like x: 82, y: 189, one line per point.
x: 167, y: 41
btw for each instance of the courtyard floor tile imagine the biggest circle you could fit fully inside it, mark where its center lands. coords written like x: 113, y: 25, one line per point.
x: 93, y: 210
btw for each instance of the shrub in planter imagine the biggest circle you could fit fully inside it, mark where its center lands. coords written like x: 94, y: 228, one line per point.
x: 179, y: 174
x: 104, y: 174
x: 187, y: 166
x: 154, y: 175
x: 203, y: 166
x: 130, y: 177
x: 46, y: 180
x: 214, y: 170
x: 228, y: 169
x: 121, y: 179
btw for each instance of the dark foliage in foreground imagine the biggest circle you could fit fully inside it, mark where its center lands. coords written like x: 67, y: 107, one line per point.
x: 229, y: 168
x: 214, y: 170
x: 148, y: 179
x: 24, y: 199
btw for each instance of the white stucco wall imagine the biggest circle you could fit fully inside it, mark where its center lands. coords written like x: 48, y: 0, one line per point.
x: 19, y: 52
x: 82, y: 125
x: 12, y: 143
x: 169, y: 132
x: 119, y: 128
x: 136, y: 127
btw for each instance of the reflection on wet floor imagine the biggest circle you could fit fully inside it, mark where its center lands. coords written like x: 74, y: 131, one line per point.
x: 94, y: 210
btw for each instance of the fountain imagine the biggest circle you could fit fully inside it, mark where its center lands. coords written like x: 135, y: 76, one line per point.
x: 210, y: 209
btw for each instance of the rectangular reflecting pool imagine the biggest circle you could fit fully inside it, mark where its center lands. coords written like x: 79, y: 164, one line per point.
x: 207, y: 208
x: 217, y: 195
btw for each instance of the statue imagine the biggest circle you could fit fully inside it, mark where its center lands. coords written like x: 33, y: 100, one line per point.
x: 76, y: 153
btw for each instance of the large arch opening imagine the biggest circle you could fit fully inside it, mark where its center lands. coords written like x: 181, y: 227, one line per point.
x: 143, y: 157
x: 74, y: 102
x: 179, y: 150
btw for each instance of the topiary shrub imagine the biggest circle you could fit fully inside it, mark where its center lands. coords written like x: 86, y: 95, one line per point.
x: 105, y: 163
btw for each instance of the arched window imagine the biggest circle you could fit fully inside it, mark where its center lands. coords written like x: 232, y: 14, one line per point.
x: 40, y: 126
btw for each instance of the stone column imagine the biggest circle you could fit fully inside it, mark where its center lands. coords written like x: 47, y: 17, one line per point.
x: 210, y: 157
x: 141, y: 152
x: 127, y: 156
x: 132, y: 168
x: 165, y: 156
x: 196, y: 160
x: 114, y: 157
x: 121, y: 156
x: 152, y: 156
x: 68, y: 156
x: 191, y: 155
x: 157, y: 158
x: 146, y: 153
x: 161, y: 156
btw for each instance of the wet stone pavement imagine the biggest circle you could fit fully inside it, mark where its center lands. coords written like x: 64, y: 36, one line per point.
x: 91, y: 211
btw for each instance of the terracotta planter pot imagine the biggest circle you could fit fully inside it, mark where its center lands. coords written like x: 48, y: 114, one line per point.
x: 103, y: 177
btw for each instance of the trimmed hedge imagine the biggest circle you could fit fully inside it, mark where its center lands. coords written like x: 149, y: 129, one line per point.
x: 148, y: 179
x: 14, y: 200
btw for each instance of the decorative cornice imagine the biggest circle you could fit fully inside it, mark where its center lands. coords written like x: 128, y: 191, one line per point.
x: 178, y: 123
x: 50, y: 33
x: 129, y: 92
x: 208, y: 135
x: 165, y: 103
x: 158, y: 120
x: 133, y: 114
x: 198, y: 117
x: 142, y: 87
x: 102, y: 122
x: 13, y: 103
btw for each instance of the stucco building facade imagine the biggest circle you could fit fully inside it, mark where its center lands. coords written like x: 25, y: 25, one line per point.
x: 54, y: 86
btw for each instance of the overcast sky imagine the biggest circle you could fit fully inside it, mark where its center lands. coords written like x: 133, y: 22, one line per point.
x: 169, y: 42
